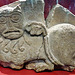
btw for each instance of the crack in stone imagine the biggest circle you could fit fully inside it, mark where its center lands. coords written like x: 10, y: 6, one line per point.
x: 39, y: 50
x: 26, y: 41
x: 15, y: 44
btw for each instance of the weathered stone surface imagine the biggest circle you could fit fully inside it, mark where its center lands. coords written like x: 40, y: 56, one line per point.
x: 25, y: 39
x: 58, y: 15
x: 33, y: 11
x: 22, y: 32
x: 61, y: 44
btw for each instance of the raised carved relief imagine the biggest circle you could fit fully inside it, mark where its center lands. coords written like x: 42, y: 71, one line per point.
x: 26, y: 38
x: 11, y: 22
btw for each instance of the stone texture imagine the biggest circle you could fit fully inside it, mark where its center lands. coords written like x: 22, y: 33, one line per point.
x: 58, y: 15
x: 22, y: 35
x: 61, y: 44
x: 33, y: 11
x: 25, y: 40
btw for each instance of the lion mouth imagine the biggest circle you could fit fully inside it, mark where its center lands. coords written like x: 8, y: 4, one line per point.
x: 12, y: 33
x: 9, y: 32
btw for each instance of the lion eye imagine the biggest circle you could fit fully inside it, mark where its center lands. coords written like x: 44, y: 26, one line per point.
x: 2, y: 20
x: 15, y: 18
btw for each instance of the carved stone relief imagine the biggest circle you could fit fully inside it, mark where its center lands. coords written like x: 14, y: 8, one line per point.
x: 26, y: 38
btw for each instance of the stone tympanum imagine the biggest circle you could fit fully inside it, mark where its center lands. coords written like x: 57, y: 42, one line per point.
x: 26, y: 39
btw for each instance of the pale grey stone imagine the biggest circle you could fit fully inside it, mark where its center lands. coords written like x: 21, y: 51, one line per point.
x: 60, y: 45
x: 25, y: 40
x: 58, y: 15
x: 22, y: 31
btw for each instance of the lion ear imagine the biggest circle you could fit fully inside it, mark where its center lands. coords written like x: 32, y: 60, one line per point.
x: 17, y: 8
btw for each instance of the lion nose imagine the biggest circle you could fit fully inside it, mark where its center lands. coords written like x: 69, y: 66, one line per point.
x: 12, y: 33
